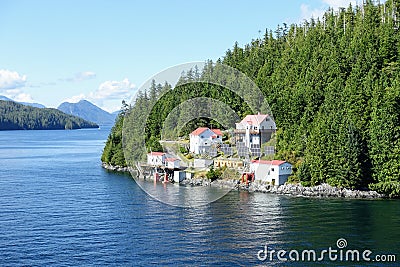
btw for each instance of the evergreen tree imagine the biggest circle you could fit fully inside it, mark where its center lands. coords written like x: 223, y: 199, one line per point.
x: 332, y: 84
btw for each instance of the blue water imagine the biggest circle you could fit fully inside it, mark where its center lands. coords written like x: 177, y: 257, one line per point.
x: 58, y: 207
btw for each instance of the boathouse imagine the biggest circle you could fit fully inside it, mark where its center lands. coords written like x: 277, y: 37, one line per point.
x: 172, y: 163
x: 274, y: 172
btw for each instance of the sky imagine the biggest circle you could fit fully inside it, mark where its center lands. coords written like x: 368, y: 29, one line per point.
x: 102, y: 51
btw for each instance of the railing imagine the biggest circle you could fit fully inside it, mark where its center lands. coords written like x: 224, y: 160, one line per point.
x: 244, y: 131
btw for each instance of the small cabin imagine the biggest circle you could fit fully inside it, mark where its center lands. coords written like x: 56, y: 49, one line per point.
x: 172, y: 163
x: 156, y: 158
x: 274, y: 172
x: 179, y: 176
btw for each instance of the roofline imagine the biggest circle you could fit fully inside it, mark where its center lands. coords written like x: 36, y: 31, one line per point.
x: 271, y: 162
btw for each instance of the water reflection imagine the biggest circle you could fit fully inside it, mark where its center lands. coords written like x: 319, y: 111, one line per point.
x: 65, y: 208
x: 181, y: 196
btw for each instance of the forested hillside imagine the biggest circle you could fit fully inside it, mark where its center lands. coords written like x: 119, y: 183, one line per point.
x: 333, y: 86
x: 113, y: 153
x: 15, y: 116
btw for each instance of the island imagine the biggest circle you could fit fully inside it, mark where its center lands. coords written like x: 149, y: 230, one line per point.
x: 16, y: 116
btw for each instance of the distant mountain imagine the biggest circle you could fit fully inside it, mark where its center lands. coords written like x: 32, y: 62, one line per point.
x: 4, y: 98
x: 88, y: 111
x: 36, y: 105
x: 15, y: 116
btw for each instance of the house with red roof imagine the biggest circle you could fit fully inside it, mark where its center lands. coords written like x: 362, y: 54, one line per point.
x: 274, y: 172
x: 156, y: 158
x: 159, y: 159
x: 203, y: 138
x: 172, y: 163
x: 255, y: 130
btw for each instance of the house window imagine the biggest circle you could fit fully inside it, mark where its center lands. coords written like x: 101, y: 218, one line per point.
x: 272, y: 169
x: 255, y: 128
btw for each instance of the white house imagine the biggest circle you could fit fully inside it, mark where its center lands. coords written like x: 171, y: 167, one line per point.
x: 255, y: 129
x: 179, y: 176
x: 275, y: 172
x: 162, y: 159
x: 202, y: 138
x: 156, y: 158
x: 172, y: 163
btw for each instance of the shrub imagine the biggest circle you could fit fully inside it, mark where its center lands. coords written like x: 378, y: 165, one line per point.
x: 183, y: 150
x: 390, y: 188
x: 214, y: 174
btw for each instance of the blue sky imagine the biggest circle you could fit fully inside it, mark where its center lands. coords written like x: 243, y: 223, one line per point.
x: 52, y: 51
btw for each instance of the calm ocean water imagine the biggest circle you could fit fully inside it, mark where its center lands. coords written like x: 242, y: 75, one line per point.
x: 58, y: 207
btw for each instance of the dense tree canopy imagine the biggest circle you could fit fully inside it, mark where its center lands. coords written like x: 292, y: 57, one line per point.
x: 113, y: 153
x: 15, y: 116
x: 333, y: 85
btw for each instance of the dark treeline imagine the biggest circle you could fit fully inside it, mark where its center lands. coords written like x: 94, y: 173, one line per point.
x: 333, y: 86
x: 15, y: 116
x: 113, y: 151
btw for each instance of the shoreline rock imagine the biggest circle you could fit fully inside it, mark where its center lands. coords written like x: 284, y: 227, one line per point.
x: 115, y: 168
x: 297, y: 190
x: 323, y: 190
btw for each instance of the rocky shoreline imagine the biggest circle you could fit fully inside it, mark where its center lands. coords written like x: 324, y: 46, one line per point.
x: 323, y: 190
x: 115, y: 168
x: 319, y: 191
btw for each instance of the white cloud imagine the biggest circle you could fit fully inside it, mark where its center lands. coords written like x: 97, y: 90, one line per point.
x: 75, y: 98
x: 11, y: 79
x: 308, y: 13
x: 18, y: 95
x: 24, y: 97
x: 11, y: 83
x: 86, y: 75
x: 335, y: 4
x: 108, y: 95
x: 113, y: 90
x: 81, y: 76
